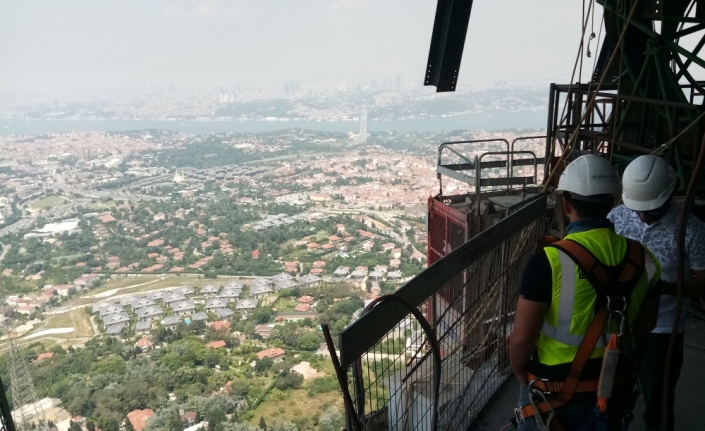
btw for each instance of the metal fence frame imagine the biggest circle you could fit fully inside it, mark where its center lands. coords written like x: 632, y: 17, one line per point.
x: 471, y: 295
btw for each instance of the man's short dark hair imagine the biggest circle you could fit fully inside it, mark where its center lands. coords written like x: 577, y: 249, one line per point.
x: 598, y: 208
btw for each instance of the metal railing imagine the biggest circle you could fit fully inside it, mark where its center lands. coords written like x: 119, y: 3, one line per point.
x: 469, y: 296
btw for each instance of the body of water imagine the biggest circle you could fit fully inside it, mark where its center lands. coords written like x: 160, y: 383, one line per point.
x: 475, y: 121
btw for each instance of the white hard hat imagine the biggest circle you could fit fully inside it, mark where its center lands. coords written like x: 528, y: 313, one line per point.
x: 587, y: 176
x: 647, y: 183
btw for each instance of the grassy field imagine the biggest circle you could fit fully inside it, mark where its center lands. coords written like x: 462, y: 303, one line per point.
x: 96, y: 206
x: 77, y: 319
x: 48, y: 202
x: 293, y: 405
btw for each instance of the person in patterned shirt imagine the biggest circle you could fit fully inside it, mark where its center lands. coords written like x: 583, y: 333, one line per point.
x: 649, y: 215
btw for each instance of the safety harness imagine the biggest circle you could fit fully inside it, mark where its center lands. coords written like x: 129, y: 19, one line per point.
x: 612, y: 285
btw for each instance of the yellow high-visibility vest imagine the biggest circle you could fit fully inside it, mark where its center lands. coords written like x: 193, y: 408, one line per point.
x: 573, y: 297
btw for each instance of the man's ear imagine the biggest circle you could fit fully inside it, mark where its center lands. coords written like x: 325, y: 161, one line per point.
x: 567, y: 207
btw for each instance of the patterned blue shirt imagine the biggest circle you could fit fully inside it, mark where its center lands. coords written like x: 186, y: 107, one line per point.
x: 660, y: 238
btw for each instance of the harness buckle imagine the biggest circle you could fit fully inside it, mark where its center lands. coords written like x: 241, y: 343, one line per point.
x: 540, y: 423
x: 519, y: 416
x: 611, y: 299
x: 621, y: 321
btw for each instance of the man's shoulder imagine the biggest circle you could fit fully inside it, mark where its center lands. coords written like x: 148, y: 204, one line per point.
x: 695, y: 225
x: 619, y: 213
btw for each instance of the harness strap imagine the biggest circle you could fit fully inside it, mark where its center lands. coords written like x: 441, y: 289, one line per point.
x: 583, y: 386
x: 605, y: 279
x: 576, y: 369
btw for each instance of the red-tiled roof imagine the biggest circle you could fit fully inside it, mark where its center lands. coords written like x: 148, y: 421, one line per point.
x: 45, y: 355
x: 143, y: 343
x: 220, y: 325
x: 273, y: 353
x: 216, y: 344
x: 139, y: 418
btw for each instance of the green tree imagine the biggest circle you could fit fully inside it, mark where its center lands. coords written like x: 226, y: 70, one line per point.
x: 262, y: 424
x: 309, y: 341
x: 264, y: 364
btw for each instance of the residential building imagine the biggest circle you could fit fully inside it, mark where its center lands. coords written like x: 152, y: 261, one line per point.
x: 115, y: 330
x: 230, y: 294
x: 138, y: 418
x: 186, y: 291
x: 141, y: 303
x: 235, y: 284
x: 184, y: 308
x: 275, y: 353
x: 173, y: 298
x: 376, y: 275
x: 188, y: 417
x: 221, y: 325
x: 341, y: 273
x: 246, y: 304
x: 210, y: 290
x: 143, y: 343
x: 285, y: 284
x: 143, y: 328
x: 260, y: 291
x: 393, y: 275
x: 156, y: 296
x: 213, y: 305
x: 310, y: 280
x: 116, y: 319
x: 147, y: 314
x: 224, y: 313
x: 199, y: 317
x: 263, y: 331
x: 216, y: 344
x: 171, y: 322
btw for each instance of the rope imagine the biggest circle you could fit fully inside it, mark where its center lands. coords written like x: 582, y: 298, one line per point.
x: 591, y: 103
x: 665, y: 145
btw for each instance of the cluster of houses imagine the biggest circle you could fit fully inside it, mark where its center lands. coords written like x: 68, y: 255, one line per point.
x: 362, y: 273
x: 216, y: 299
x: 279, y: 220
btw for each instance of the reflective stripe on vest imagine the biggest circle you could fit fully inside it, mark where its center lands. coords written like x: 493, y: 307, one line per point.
x: 565, y: 307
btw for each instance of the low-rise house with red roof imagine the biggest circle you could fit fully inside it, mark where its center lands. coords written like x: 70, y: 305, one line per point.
x: 221, y: 325
x: 275, y: 353
x: 45, y: 355
x: 144, y: 344
x: 138, y: 418
x: 216, y: 344
x: 302, y: 308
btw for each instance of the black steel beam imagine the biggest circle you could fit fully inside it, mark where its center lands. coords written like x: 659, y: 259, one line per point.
x: 447, y: 42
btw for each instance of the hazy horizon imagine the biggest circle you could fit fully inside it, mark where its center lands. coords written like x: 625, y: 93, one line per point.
x: 99, y: 48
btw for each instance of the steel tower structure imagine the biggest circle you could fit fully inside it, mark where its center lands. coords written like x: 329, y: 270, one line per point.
x: 24, y: 394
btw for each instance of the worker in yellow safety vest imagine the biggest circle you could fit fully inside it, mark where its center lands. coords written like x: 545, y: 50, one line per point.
x: 585, y: 303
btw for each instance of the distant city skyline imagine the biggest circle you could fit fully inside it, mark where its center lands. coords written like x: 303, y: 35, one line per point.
x: 82, y: 47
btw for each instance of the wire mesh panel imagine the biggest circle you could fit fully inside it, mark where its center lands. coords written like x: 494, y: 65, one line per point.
x: 471, y: 293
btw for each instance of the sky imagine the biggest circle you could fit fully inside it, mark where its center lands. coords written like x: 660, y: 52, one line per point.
x: 50, y: 47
